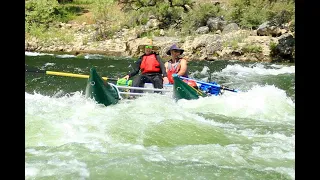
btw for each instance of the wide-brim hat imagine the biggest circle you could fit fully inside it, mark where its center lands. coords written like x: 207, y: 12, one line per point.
x: 174, y: 47
x: 149, y: 42
x: 142, y: 47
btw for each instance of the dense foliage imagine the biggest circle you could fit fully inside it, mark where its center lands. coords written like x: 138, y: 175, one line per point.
x: 183, y: 15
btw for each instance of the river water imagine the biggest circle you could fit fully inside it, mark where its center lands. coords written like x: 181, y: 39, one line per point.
x: 245, y: 135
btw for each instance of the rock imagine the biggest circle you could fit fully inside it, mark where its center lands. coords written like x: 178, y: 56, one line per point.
x: 202, y: 30
x: 161, y: 32
x: 230, y: 27
x: 215, y: 24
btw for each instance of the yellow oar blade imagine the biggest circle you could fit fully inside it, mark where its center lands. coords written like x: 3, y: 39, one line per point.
x: 70, y: 74
x: 36, y: 70
x: 67, y: 74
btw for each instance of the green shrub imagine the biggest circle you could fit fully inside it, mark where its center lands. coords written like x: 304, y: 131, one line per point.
x: 41, y: 11
x: 199, y: 16
x: 251, y: 48
x: 171, y: 31
x: 83, y: 2
x: 252, y: 13
x: 134, y: 19
x: 102, y: 10
x: 273, y: 48
x: 108, y: 16
x: 253, y: 17
x: 46, y: 12
x: 235, y: 39
x: 168, y: 15
x: 42, y: 14
x: 35, y: 29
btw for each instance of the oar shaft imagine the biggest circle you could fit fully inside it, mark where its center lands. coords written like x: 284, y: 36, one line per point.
x: 133, y: 94
x: 228, y: 89
x: 210, y: 84
x: 200, y: 82
x: 142, y: 88
x: 67, y: 74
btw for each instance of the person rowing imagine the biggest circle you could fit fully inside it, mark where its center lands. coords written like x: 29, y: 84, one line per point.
x: 151, y: 67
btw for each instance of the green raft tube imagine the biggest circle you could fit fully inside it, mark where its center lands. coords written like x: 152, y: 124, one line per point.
x: 182, y: 90
x: 101, y: 91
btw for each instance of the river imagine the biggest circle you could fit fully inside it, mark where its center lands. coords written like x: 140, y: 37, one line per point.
x: 245, y: 135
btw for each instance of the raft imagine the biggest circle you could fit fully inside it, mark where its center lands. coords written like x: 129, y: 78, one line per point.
x: 107, y: 93
x: 101, y: 91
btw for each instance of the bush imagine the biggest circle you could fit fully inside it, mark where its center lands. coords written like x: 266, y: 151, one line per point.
x: 199, y: 16
x: 273, y: 49
x: 251, y: 48
x: 45, y: 12
x: 169, y: 15
x: 253, y: 17
x: 252, y: 13
x: 109, y: 17
x: 175, y: 17
x: 41, y: 11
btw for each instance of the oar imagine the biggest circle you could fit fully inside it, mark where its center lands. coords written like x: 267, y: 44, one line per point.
x: 35, y: 70
x: 210, y: 84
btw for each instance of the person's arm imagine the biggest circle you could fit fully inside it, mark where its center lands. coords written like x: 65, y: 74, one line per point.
x: 162, y: 67
x: 166, y: 66
x: 183, y: 67
x: 136, y: 68
x: 163, y: 70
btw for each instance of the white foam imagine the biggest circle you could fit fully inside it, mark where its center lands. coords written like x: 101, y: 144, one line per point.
x: 27, y: 53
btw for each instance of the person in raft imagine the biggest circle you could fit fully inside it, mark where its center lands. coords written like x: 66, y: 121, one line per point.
x: 177, y: 65
x: 152, y: 69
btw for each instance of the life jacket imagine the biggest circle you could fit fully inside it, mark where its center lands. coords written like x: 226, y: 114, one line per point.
x: 191, y: 83
x: 173, y: 69
x: 150, y: 64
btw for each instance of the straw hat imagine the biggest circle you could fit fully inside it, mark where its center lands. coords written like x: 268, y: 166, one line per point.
x: 141, y: 48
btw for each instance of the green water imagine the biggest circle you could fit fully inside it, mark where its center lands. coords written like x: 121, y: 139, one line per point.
x: 245, y: 135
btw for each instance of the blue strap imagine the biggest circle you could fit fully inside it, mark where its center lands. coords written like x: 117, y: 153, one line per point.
x: 215, y: 87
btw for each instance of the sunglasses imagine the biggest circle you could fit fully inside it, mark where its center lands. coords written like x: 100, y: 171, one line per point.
x: 174, y: 50
x: 148, y: 47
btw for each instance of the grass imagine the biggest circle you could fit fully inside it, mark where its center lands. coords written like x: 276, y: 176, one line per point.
x: 235, y: 39
x: 252, y: 48
x: 50, y: 35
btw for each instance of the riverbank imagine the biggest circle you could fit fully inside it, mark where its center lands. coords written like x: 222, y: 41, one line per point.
x: 219, y: 39
x: 241, y: 45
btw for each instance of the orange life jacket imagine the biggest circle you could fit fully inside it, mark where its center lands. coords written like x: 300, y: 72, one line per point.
x: 173, y: 69
x: 150, y: 64
x: 191, y: 83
